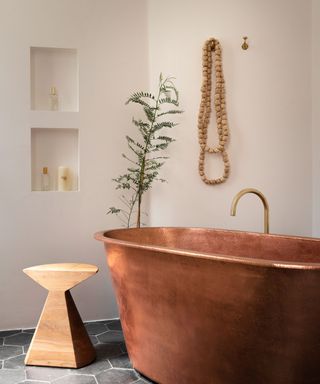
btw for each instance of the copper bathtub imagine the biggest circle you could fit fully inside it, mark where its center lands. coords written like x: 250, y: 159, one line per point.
x: 204, y: 306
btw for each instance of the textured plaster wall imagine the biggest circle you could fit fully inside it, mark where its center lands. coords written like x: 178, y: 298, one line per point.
x: 38, y: 228
x: 269, y: 108
x: 316, y: 114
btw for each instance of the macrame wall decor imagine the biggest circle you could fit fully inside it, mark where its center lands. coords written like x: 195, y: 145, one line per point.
x: 212, y: 48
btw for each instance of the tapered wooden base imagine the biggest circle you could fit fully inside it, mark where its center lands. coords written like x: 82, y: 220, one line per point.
x: 61, y: 339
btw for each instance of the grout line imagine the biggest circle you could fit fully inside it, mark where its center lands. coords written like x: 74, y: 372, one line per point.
x: 120, y: 369
x: 16, y: 346
x: 25, y: 351
x: 13, y: 369
x: 100, y: 320
x: 12, y: 357
x: 107, y: 330
x: 98, y: 334
x: 14, y: 334
x: 61, y: 377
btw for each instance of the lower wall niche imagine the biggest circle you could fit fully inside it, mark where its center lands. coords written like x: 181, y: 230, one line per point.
x: 57, y: 150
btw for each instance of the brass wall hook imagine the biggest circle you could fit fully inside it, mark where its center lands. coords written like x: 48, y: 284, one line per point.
x: 245, y: 45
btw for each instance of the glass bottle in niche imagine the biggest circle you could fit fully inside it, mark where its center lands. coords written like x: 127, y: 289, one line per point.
x: 63, y: 179
x: 54, y: 101
x: 45, y: 180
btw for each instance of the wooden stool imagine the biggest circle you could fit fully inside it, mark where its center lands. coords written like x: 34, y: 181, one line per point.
x: 60, y: 339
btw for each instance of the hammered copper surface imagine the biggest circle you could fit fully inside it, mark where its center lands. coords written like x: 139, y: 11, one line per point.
x: 208, y: 306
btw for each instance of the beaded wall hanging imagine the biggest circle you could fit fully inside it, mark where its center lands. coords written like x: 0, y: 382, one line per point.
x: 212, y: 46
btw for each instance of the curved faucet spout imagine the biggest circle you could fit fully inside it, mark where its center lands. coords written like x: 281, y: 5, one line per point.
x: 262, y: 198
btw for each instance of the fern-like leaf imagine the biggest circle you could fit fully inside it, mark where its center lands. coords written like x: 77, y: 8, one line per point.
x: 170, y: 112
x: 168, y: 100
x: 150, y: 113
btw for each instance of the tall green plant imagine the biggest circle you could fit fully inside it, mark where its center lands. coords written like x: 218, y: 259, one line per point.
x: 146, y: 157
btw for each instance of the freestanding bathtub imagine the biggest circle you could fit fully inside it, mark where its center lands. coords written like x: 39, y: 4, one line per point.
x: 204, y: 306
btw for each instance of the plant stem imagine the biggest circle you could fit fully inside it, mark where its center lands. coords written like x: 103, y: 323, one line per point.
x: 143, y: 162
x: 133, y: 202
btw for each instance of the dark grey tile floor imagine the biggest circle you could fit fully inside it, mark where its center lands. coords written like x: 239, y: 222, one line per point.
x: 112, y: 365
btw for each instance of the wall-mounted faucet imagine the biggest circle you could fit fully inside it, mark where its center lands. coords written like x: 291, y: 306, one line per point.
x: 263, y: 199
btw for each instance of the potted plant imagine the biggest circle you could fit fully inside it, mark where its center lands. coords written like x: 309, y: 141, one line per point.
x: 146, y: 154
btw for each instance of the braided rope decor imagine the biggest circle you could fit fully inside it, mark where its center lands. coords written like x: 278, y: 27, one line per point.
x: 213, y: 46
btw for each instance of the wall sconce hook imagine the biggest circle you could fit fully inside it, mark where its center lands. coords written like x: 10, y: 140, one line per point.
x: 245, y: 45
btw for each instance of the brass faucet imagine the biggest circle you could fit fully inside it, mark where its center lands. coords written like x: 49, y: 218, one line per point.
x: 263, y: 199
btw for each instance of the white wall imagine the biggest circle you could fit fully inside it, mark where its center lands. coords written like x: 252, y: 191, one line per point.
x: 37, y: 228
x: 316, y: 114
x: 268, y: 103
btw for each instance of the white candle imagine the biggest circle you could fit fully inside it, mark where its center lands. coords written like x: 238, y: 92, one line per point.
x: 63, y: 179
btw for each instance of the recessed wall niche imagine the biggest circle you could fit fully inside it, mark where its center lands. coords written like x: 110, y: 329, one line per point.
x: 54, y: 148
x: 54, y: 79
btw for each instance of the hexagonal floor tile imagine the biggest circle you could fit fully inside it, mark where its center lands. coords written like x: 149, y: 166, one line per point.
x: 76, y: 379
x: 121, y: 361
x: 9, y: 333
x: 117, y: 376
x: 19, y: 339
x: 11, y: 376
x: 14, y: 362
x: 114, y: 325
x: 95, y: 328
x: 111, y: 337
x: 9, y: 351
x: 94, y: 339
x: 46, y: 373
x: 112, y: 365
x: 33, y: 382
x: 105, y: 351
x: 94, y: 368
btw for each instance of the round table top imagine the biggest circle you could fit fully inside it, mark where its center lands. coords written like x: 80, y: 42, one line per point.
x: 61, y: 277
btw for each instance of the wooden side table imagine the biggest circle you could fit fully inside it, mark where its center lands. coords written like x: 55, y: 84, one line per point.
x: 60, y: 339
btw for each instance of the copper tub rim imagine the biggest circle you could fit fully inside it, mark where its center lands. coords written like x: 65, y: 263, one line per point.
x: 102, y: 236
